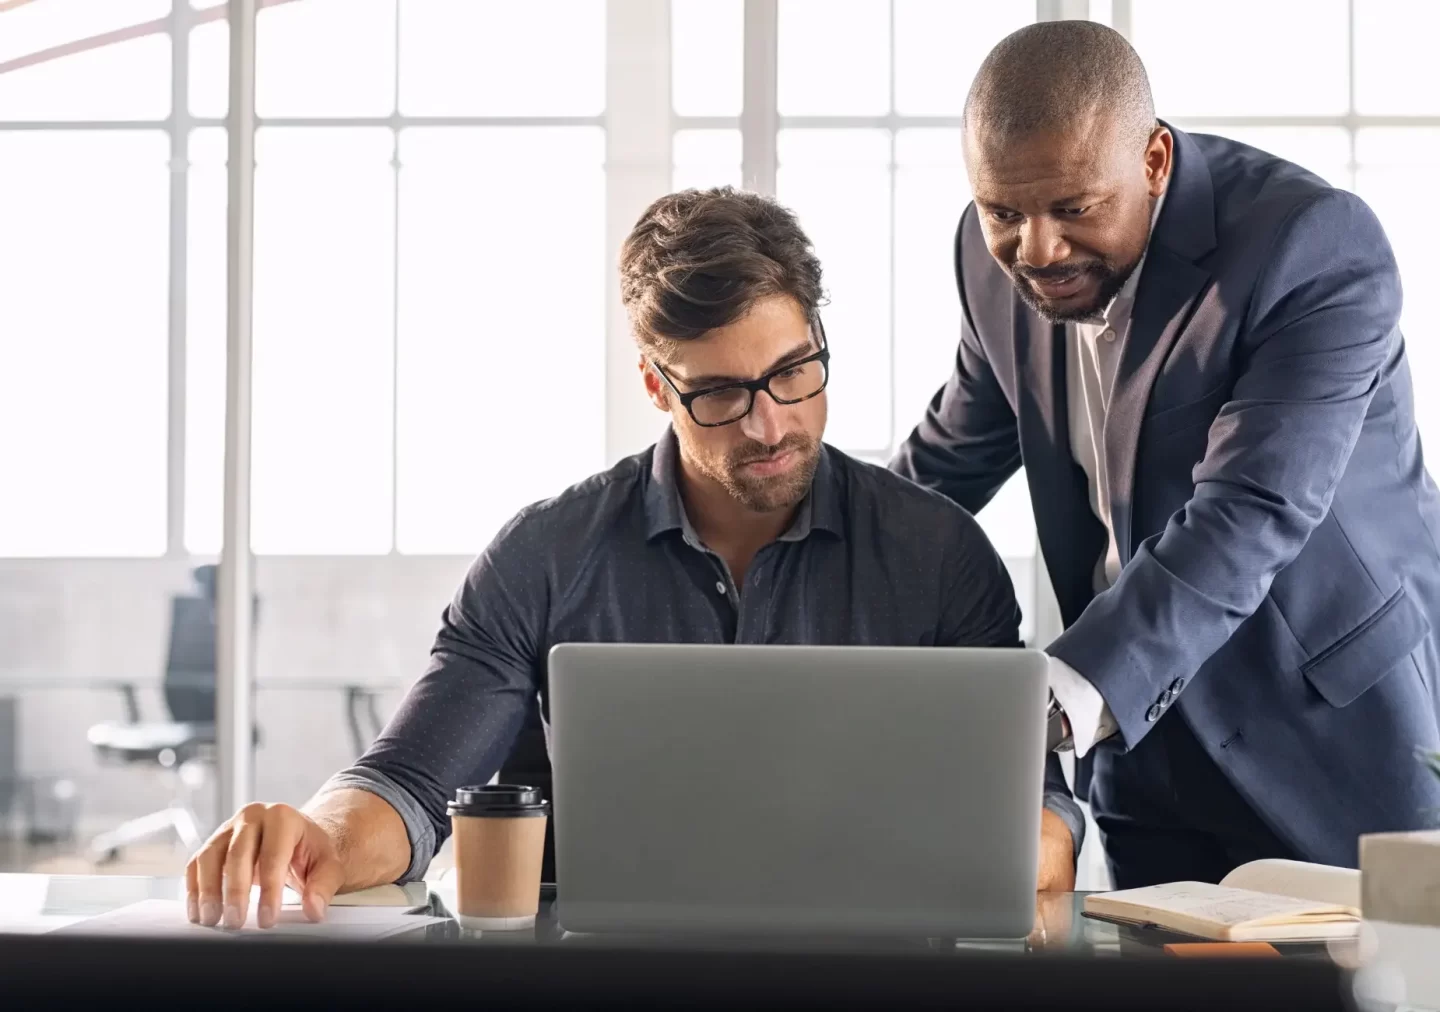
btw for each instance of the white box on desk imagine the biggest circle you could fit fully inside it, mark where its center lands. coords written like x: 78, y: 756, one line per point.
x: 1400, y: 877
x: 1400, y: 898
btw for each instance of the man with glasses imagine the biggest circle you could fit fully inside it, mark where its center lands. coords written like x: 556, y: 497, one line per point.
x: 738, y: 526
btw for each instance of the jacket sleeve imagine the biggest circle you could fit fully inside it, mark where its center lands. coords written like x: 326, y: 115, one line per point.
x: 968, y: 443
x: 1319, y: 329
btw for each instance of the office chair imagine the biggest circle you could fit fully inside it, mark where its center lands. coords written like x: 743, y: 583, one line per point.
x: 183, y: 747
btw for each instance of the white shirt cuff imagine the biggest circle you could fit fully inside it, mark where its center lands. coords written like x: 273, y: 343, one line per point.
x: 1090, y: 718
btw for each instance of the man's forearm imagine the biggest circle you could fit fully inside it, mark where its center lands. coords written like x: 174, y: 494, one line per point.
x: 369, y: 835
x: 1057, y: 854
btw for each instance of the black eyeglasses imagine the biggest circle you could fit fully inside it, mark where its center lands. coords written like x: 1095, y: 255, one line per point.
x: 790, y: 384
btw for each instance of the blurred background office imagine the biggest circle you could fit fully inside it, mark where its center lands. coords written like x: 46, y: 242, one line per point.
x: 440, y: 188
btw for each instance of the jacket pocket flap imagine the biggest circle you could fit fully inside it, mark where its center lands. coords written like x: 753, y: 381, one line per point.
x: 1346, y: 668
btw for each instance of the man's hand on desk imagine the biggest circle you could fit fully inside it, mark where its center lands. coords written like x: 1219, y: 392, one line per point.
x: 263, y: 845
x: 1057, y: 855
x: 344, y: 839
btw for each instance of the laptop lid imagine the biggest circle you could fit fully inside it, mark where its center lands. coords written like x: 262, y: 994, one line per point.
x: 872, y: 790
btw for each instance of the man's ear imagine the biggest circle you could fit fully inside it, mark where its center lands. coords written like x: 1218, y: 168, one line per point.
x: 655, y: 387
x: 1159, y: 159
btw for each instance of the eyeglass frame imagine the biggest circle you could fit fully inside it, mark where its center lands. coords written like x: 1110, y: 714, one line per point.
x: 755, y: 386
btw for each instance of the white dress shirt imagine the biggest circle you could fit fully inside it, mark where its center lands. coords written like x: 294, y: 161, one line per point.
x: 1092, y: 355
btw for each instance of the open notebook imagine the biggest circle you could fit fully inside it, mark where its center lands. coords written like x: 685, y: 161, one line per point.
x: 1264, y: 901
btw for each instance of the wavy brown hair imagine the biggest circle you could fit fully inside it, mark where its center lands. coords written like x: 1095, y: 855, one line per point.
x: 700, y: 259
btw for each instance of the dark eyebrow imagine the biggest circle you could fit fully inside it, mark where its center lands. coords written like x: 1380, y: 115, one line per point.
x: 793, y: 355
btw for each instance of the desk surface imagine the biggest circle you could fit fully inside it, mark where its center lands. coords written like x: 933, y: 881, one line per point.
x: 546, y: 963
x: 40, y: 903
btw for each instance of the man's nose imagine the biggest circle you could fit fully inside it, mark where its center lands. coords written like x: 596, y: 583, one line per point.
x: 1042, y: 242
x: 763, y: 423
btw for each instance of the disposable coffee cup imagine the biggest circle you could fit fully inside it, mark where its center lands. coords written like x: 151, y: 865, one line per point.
x: 499, y: 846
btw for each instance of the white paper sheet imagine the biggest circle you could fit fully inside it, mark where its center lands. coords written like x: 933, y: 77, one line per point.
x: 167, y: 918
x: 412, y: 897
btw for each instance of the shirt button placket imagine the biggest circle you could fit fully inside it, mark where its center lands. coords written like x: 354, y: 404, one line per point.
x: 752, y: 607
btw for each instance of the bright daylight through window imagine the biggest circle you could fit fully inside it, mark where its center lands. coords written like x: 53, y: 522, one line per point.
x: 415, y: 385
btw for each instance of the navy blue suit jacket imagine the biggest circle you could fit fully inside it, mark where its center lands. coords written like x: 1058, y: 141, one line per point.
x: 1279, y: 535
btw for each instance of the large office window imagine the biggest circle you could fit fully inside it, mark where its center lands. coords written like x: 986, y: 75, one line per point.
x: 429, y: 319
x: 431, y: 233
x: 429, y: 286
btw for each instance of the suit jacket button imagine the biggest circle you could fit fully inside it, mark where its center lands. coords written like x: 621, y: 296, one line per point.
x: 1167, y: 697
x: 1177, y: 685
x: 1153, y: 714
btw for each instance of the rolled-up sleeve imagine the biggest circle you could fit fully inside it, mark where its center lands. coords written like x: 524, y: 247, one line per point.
x: 459, y: 721
x: 1060, y: 800
x: 419, y: 827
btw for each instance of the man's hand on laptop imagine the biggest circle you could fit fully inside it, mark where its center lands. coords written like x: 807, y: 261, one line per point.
x: 1057, y: 854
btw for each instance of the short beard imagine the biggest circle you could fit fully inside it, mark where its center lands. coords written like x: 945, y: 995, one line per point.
x: 767, y: 494
x: 1112, y: 279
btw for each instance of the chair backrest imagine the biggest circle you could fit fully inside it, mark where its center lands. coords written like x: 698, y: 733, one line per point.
x: 190, y: 662
x: 189, y: 680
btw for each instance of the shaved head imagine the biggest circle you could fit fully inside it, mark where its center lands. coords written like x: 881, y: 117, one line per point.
x: 1066, y: 162
x: 1048, y: 77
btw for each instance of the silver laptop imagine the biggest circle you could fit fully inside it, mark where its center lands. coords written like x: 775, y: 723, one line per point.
x: 830, y: 790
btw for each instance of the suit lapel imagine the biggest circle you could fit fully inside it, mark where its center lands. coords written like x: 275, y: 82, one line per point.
x: 1167, y: 289
x: 1169, y: 285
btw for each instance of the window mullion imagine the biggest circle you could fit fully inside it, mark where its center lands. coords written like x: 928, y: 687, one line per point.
x: 760, y: 114
x: 1120, y: 17
x: 638, y: 157
x: 179, y: 131
x: 893, y: 173
x: 395, y: 124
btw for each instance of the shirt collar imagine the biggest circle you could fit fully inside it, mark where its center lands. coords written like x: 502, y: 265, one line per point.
x: 821, y: 509
x: 1120, y: 304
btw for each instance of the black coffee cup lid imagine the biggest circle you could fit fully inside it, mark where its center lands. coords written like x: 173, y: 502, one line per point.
x: 498, y: 799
